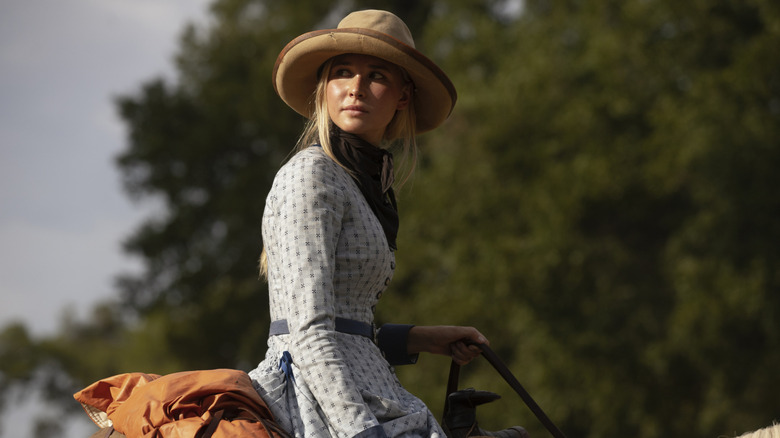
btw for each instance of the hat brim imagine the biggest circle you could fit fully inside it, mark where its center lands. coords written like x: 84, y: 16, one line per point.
x: 295, y: 72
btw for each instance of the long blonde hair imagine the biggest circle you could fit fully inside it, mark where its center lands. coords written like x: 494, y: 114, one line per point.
x: 317, y: 130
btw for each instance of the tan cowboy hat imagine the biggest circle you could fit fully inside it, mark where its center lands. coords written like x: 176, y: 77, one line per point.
x: 368, y: 32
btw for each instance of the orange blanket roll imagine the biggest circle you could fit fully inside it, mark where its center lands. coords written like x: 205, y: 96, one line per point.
x: 179, y: 405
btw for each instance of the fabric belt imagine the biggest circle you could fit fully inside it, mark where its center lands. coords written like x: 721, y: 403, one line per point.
x: 343, y: 325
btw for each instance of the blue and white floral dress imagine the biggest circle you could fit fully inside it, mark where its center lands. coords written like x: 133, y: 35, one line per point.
x: 329, y: 257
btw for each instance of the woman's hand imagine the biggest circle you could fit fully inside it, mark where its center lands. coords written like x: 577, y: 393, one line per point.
x: 446, y: 340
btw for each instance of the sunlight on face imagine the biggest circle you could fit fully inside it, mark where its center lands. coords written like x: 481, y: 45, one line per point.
x: 363, y: 93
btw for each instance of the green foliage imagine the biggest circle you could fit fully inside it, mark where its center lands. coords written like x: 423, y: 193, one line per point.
x: 601, y: 205
x: 209, y: 147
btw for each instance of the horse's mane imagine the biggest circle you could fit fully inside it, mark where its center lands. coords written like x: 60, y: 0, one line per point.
x: 768, y: 432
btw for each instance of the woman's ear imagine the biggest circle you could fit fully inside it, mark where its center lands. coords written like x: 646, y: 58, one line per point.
x: 406, y: 97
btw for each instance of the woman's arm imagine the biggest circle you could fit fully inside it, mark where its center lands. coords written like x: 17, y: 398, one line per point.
x: 446, y: 340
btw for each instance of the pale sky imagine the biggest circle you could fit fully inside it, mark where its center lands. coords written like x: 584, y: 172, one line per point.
x: 63, y: 214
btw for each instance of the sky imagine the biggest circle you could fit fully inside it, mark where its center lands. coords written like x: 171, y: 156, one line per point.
x: 63, y: 212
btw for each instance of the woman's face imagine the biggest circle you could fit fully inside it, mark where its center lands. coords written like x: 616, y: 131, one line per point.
x: 363, y: 93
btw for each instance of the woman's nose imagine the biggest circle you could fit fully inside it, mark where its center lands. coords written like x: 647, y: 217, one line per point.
x: 356, y: 86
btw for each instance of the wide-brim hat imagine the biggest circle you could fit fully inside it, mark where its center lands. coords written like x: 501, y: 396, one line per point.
x: 368, y: 32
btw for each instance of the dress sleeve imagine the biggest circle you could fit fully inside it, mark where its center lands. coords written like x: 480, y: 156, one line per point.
x: 392, y: 340
x: 310, y: 209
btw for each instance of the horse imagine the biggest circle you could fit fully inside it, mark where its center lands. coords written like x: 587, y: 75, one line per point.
x: 767, y: 432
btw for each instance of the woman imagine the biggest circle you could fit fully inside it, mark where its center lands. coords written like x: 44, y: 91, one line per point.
x: 329, y: 232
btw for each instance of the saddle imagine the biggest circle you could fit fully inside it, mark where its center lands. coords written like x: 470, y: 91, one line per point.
x: 460, y: 406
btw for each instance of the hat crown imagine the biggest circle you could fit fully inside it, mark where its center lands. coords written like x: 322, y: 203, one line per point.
x: 379, y: 21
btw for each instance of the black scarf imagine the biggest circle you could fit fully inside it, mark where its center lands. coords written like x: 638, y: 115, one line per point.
x: 372, y: 168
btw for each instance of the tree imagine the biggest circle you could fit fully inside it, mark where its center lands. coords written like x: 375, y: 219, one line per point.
x: 621, y: 223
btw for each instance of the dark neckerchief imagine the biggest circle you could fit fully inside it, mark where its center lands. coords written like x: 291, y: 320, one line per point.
x: 372, y: 168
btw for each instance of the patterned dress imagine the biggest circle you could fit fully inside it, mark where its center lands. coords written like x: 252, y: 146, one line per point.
x: 328, y: 257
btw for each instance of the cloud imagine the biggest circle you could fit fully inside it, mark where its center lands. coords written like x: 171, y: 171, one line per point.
x: 62, y: 211
x: 151, y: 14
x: 43, y: 265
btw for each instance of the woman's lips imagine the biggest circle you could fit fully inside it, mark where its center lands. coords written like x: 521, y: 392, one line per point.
x: 355, y: 108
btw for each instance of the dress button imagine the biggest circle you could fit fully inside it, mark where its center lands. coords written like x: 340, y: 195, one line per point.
x: 379, y: 295
x: 387, y: 281
x: 392, y: 265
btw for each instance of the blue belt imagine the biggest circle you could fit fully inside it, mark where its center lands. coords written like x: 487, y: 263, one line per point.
x: 343, y: 325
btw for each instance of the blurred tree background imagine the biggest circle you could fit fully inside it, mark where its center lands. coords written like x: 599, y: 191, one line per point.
x: 602, y: 204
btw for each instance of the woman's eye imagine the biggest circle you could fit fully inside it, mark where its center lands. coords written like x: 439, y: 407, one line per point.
x: 377, y: 75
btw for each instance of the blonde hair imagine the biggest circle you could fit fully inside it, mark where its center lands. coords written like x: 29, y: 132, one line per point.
x: 317, y: 130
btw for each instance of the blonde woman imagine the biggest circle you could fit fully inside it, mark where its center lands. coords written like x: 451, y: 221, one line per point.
x: 329, y: 234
